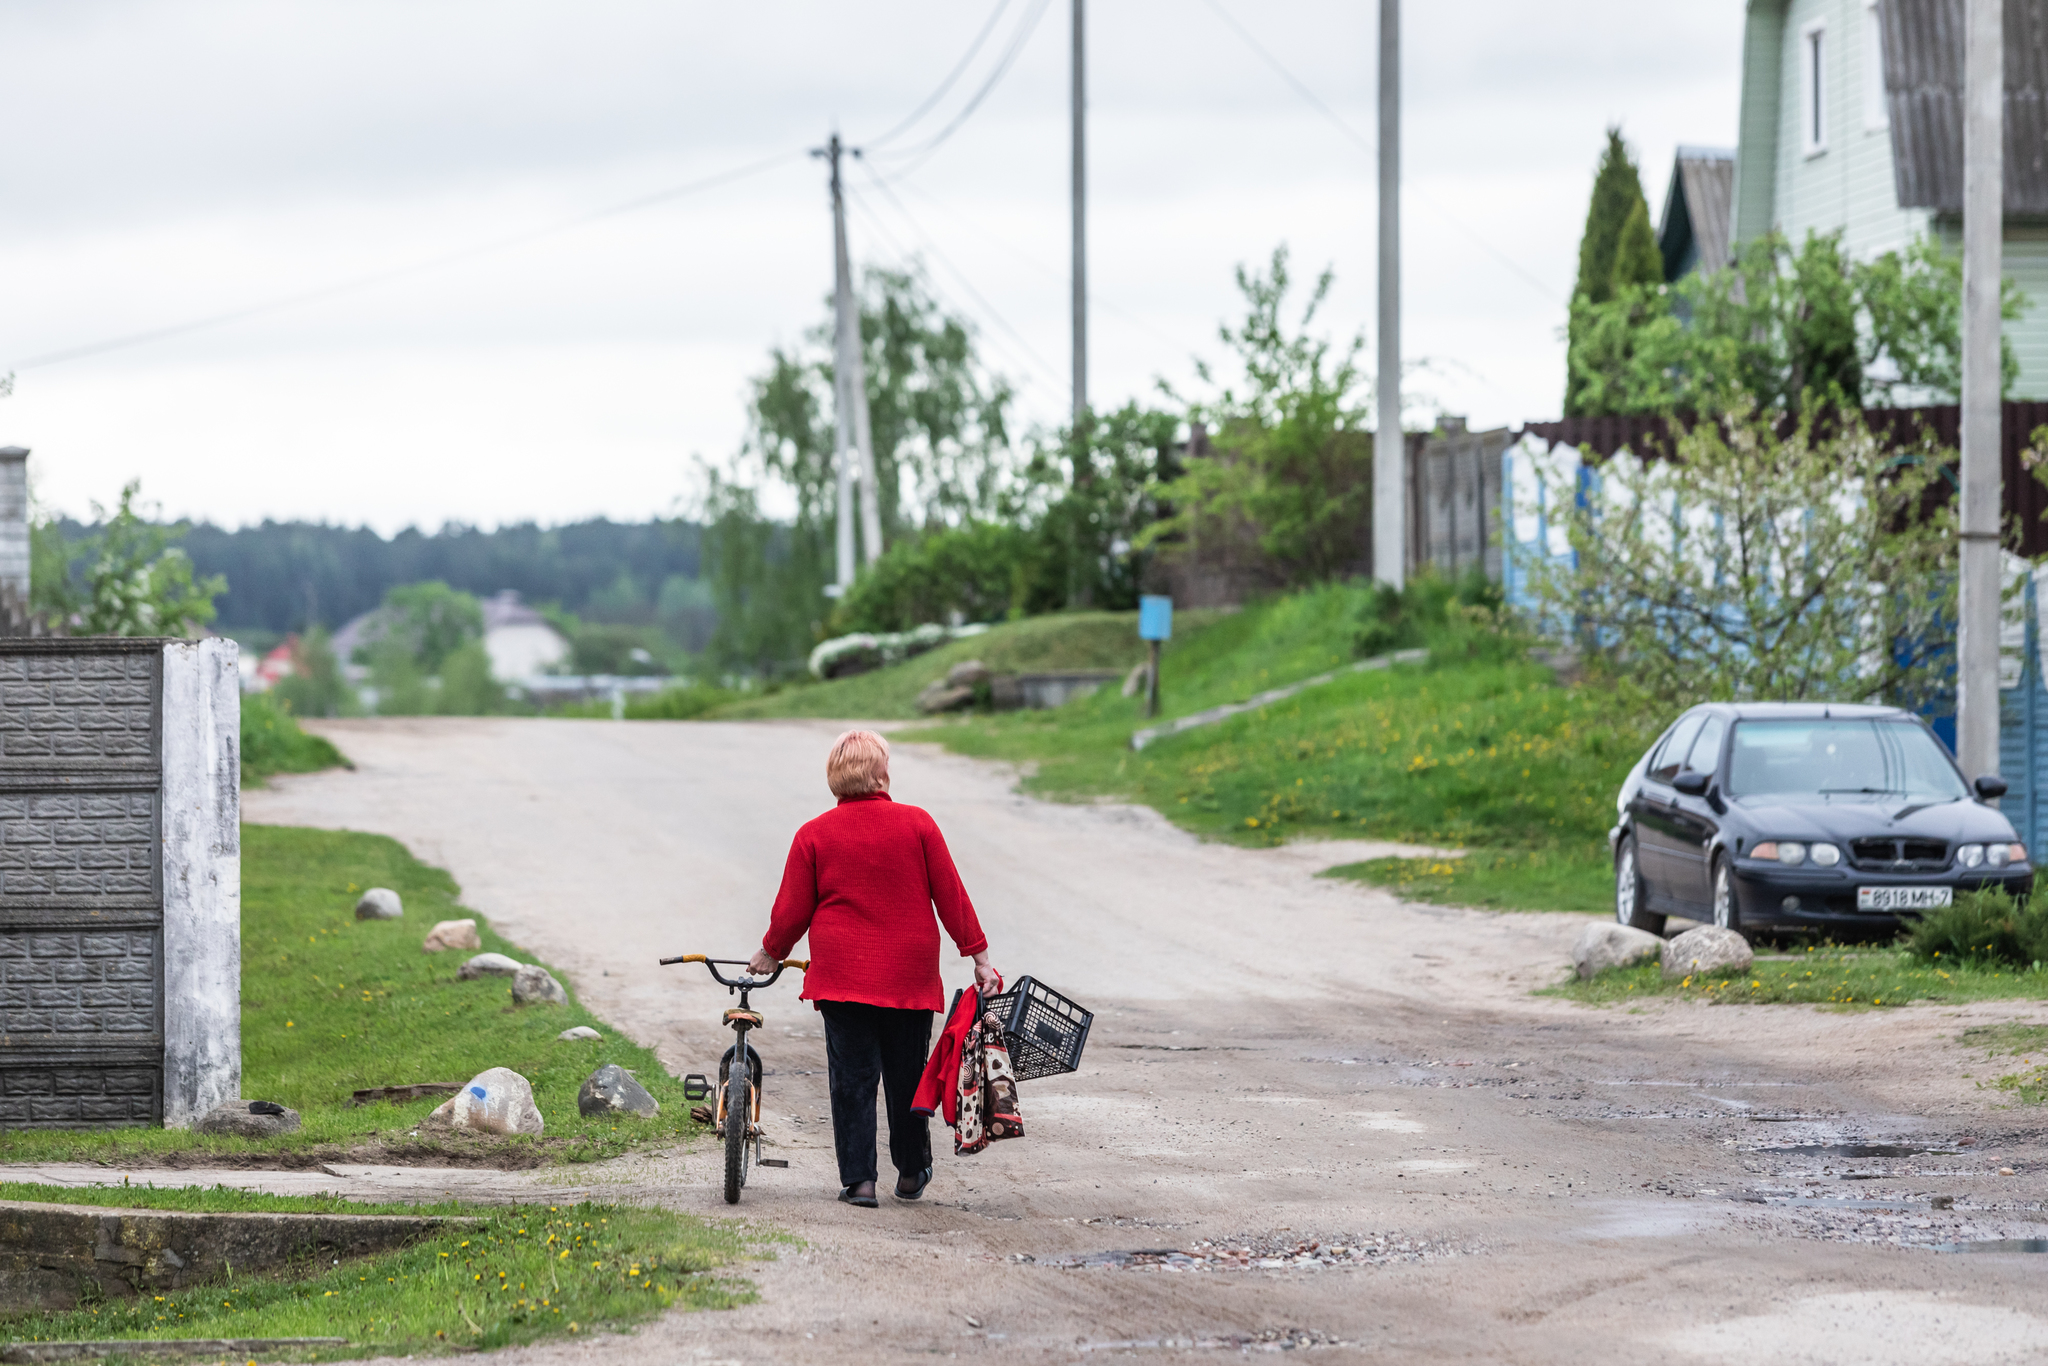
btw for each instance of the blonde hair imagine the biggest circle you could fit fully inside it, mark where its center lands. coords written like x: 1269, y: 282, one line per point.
x: 858, y: 764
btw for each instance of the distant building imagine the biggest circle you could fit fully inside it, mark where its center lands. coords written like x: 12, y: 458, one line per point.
x: 519, y: 640
x: 1852, y: 120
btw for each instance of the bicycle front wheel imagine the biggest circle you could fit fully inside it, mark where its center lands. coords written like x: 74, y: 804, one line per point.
x: 739, y: 1110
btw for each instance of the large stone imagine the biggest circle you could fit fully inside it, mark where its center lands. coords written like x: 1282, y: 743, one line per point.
x: 452, y: 934
x: 249, y: 1119
x: 496, y: 1101
x: 944, y: 696
x: 1706, y: 950
x: 534, y: 985
x: 969, y: 673
x: 380, y: 903
x: 578, y: 1032
x: 488, y: 965
x: 1613, y: 946
x: 611, y: 1090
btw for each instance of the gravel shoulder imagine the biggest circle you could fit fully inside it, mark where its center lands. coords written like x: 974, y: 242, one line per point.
x: 1282, y: 1066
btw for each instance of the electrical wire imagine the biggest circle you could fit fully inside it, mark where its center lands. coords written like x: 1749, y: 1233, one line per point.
x: 401, y: 272
x: 1322, y: 107
x: 918, y: 155
x: 945, y: 85
x: 1046, y: 368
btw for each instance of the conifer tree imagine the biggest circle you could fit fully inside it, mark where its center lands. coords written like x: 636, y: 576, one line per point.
x: 1637, y: 258
x: 1617, y: 200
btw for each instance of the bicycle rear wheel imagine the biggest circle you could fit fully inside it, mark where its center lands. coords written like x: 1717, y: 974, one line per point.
x: 739, y: 1111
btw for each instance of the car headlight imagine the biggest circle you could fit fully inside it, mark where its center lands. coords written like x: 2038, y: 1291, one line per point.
x: 1790, y: 854
x: 1971, y: 856
x: 1998, y: 855
x: 1824, y: 855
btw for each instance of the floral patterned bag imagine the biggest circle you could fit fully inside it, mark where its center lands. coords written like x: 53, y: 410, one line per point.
x: 987, y: 1089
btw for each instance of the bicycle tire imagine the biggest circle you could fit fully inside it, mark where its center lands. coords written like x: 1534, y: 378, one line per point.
x: 739, y: 1109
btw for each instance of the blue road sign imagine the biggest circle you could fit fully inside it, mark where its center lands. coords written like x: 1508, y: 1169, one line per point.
x: 1155, y: 618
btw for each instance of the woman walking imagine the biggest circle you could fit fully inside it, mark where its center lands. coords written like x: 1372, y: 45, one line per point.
x: 864, y: 880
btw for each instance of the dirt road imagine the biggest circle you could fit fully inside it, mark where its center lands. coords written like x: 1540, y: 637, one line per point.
x: 1361, y: 1133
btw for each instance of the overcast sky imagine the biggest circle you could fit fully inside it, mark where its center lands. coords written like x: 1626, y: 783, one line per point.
x: 166, y: 162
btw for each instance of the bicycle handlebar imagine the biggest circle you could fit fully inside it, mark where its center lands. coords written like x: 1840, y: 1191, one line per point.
x: 711, y: 966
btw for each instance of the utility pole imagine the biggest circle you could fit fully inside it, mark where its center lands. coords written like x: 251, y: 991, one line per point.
x: 1390, y: 450
x: 1983, y: 240
x: 1079, y: 95
x: 854, y: 448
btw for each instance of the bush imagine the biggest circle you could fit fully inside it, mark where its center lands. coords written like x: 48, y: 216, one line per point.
x: 980, y: 570
x: 273, y: 743
x: 678, y: 704
x: 1985, y: 926
x: 1461, y: 619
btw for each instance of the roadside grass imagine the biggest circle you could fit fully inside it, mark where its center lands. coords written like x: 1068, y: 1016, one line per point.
x: 1496, y: 757
x: 2014, y: 1040
x: 523, y: 1274
x: 1853, y: 978
x: 1553, y: 879
x: 1061, y: 641
x: 273, y: 743
x: 331, y: 1004
x: 672, y: 704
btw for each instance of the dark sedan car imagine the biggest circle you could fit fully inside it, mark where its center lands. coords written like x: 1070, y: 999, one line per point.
x: 1844, y: 819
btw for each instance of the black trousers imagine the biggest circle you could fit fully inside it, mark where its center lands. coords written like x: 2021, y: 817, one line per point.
x: 865, y: 1044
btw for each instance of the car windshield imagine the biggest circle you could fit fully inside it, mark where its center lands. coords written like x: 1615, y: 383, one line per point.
x: 1840, y: 759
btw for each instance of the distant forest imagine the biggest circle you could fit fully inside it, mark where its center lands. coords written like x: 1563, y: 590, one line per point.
x: 289, y: 576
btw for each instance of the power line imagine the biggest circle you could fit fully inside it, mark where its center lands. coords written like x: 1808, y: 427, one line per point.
x: 1044, y: 366
x: 401, y: 272
x: 917, y: 156
x: 947, y: 84
x: 1322, y: 107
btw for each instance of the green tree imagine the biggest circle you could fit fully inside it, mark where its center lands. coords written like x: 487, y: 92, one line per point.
x: 1293, y: 458
x: 426, y: 654
x: 316, y: 685
x: 1761, y: 564
x: 1616, y: 251
x: 126, y: 578
x: 1780, y: 330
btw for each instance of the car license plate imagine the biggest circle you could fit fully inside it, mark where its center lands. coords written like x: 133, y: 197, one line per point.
x: 1903, y: 898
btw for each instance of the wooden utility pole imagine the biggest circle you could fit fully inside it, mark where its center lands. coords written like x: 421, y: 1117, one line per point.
x: 1983, y: 241
x: 1079, y: 94
x: 1390, y: 451
x: 854, y: 455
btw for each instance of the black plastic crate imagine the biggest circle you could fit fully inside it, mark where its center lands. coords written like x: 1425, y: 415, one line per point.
x: 1043, y: 1030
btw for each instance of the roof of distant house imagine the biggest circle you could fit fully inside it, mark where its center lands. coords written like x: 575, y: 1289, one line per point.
x: 504, y: 608
x: 1694, y: 229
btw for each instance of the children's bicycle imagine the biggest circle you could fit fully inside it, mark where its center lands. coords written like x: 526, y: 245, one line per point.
x: 739, y: 1086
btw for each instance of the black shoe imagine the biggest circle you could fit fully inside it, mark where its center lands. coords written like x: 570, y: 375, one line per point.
x: 924, y: 1178
x: 846, y: 1194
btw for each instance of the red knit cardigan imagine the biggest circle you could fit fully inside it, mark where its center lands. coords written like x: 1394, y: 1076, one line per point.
x: 863, y: 879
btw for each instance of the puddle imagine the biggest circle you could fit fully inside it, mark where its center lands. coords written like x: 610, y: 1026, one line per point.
x: 1997, y: 1245
x: 1854, y: 1150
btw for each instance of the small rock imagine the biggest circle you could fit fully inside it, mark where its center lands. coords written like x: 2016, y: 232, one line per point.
x: 611, y: 1090
x: 534, y: 985
x: 488, y: 965
x: 1707, y: 949
x: 969, y: 673
x: 1613, y: 946
x: 380, y: 903
x: 579, y: 1032
x: 944, y: 696
x: 496, y: 1101
x: 452, y: 934
x: 242, y: 1119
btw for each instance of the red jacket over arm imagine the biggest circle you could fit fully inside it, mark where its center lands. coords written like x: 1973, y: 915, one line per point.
x: 863, y: 879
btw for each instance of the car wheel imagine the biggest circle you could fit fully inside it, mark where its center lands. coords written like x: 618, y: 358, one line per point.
x: 1727, y: 912
x: 1629, y: 895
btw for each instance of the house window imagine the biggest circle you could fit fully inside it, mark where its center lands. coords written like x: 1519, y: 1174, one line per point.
x: 1876, y: 113
x: 1813, y: 104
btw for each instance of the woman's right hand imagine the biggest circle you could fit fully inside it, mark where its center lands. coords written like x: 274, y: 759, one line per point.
x: 986, y: 978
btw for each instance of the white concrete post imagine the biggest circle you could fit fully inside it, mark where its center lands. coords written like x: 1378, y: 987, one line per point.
x: 202, y: 878
x: 1983, y: 239
x: 14, y: 554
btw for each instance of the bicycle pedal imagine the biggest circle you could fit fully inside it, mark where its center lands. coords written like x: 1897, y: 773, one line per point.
x: 696, y: 1086
x: 772, y: 1162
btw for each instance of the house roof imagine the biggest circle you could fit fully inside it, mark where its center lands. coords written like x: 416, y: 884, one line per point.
x: 1923, y: 78
x: 1694, y: 228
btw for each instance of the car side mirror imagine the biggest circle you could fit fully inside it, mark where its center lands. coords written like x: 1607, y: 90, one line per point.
x: 1692, y: 784
x: 1989, y: 787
